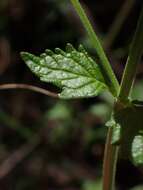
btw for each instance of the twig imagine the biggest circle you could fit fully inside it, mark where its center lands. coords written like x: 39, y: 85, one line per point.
x: 28, y: 87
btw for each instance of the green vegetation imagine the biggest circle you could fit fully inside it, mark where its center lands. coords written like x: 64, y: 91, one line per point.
x: 76, y: 74
x: 80, y: 76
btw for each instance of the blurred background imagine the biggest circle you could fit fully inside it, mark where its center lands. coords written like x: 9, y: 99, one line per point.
x: 50, y: 144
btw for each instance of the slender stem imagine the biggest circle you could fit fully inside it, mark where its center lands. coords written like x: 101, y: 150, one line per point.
x: 118, y: 22
x: 106, y: 69
x: 110, y: 162
x: 28, y: 87
x: 132, y: 61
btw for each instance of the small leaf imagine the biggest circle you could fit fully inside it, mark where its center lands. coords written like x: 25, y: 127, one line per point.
x: 116, y: 131
x: 116, y: 136
x: 137, y: 150
x: 74, y: 71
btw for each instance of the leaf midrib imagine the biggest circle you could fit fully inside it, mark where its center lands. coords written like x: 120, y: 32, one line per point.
x: 67, y: 71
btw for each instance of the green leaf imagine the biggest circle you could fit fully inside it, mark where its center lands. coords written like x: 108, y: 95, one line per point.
x: 116, y: 132
x: 74, y: 71
x: 137, y: 150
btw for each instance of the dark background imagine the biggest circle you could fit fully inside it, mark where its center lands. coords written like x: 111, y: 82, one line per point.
x: 50, y: 144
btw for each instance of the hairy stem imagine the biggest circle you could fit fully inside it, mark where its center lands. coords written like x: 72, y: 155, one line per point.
x: 110, y: 162
x: 104, y: 64
x: 28, y: 87
x: 118, y: 22
x: 132, y: 61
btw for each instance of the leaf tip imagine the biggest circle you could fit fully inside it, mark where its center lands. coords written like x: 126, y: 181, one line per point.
x: 29, y: 58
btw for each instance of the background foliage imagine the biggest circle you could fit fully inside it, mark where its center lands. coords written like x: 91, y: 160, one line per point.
x: 47, y: 143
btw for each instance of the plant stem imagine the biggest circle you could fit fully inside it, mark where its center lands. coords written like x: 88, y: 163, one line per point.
x: 106, y: 69
x: 132, y: 61
x: 118, y: 22
x: 111, y: 151
x: 28, y: 87
x: 110, y: 162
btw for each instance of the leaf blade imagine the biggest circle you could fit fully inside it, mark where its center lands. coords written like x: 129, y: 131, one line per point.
x: 74, y: 70
x: 137, y: 150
